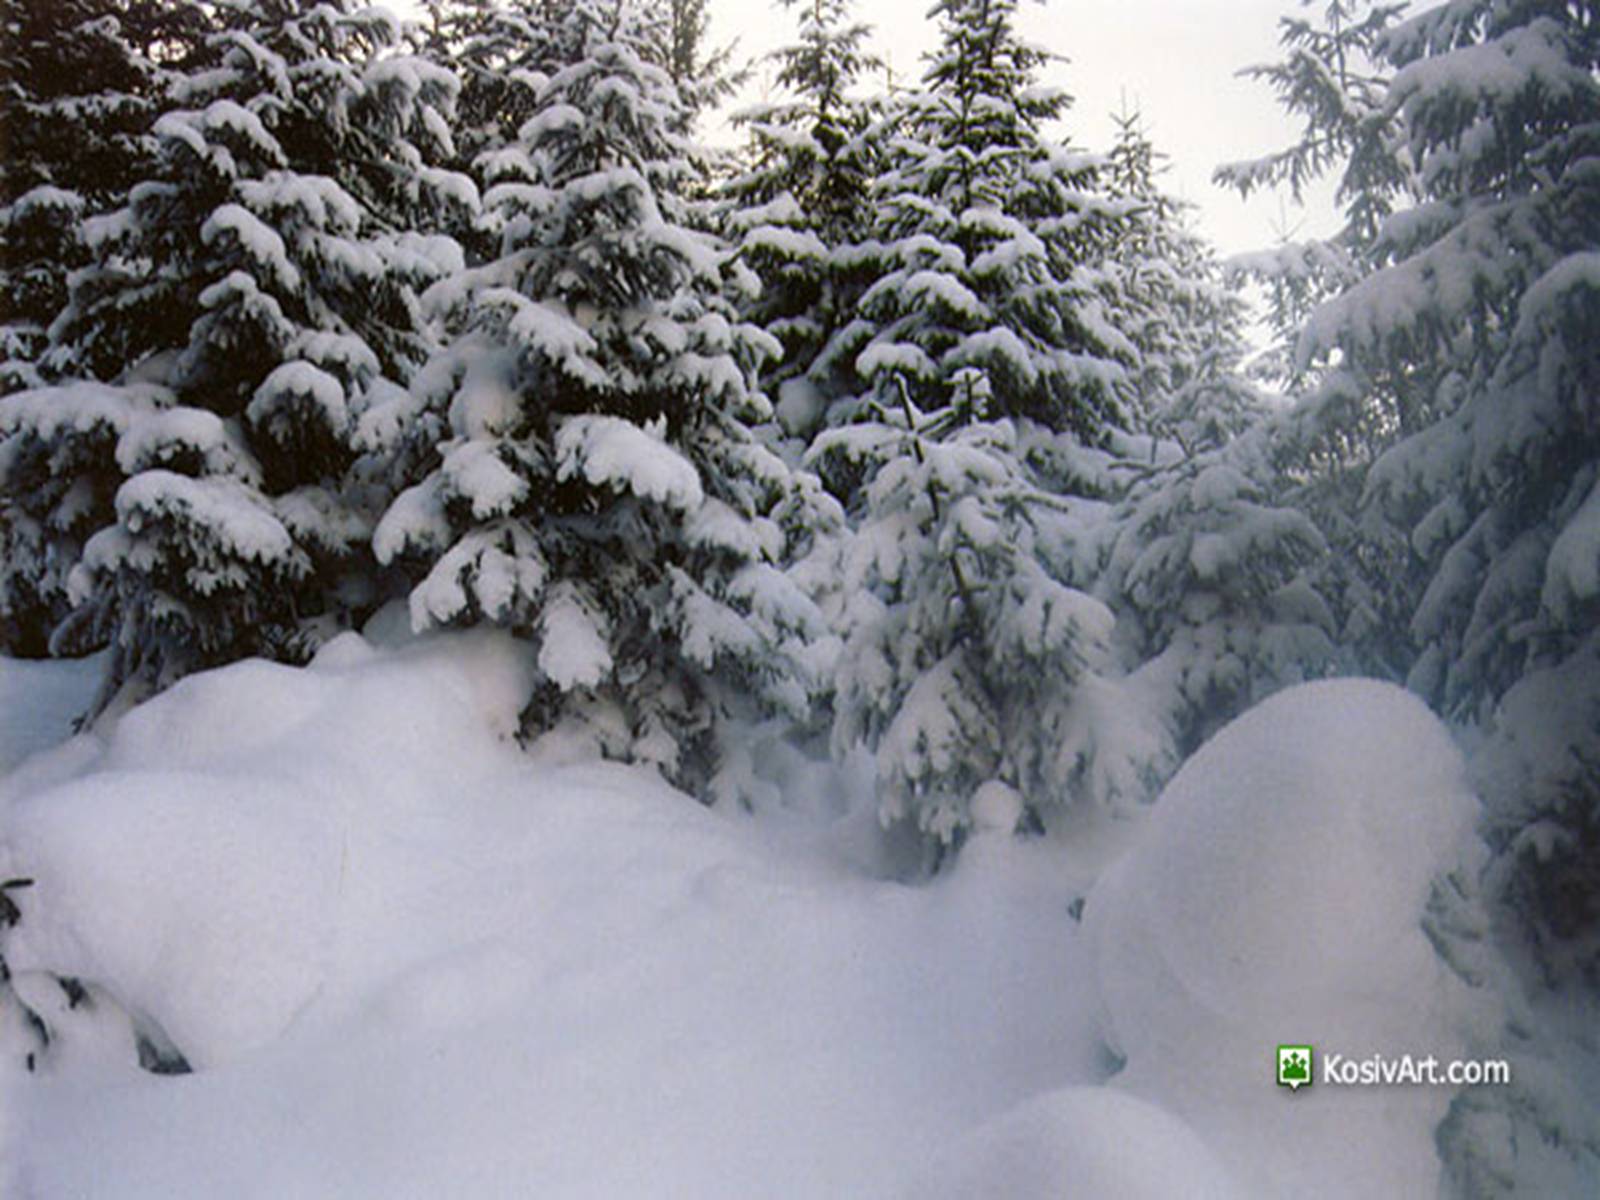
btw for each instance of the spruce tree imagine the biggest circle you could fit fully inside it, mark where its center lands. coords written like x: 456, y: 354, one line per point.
x: 501, y: 49
x: 1452, y: 397
x: 1167, y: 295
x: 599, y: 490
x: 1333, y: 80
x: 80, y: 82
x: 1487, y: 373
x: 1208, y: 563
x: 253, y: 296
x: 986, y: 227
x: 971, y: 456
x: 796, y: 207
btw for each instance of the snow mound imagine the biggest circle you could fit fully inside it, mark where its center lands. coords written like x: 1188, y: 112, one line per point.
x: 418, y: 962
x: 1082, y: 1141
x: 210, y: 829
x: 1276, y: 896
x: 1289, y: 861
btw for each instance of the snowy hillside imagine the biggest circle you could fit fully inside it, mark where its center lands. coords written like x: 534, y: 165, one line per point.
x: 402, y: 959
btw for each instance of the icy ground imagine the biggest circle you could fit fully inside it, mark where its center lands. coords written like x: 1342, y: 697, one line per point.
x: 406, y: 959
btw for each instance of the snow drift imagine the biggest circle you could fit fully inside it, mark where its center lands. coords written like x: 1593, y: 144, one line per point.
x: 406, y: 958
x: 1275, y: 898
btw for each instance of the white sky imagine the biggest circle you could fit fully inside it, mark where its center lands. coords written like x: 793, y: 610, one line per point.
x: 1175, y: 60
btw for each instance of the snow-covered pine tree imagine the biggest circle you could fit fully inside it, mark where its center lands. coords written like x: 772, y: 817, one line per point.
x: 1333, y: 81
x: 1166, y: 293
x: 501, y: 49
x: 79, y: 84
x: 599, y: 490
x: 796, y: 208
x: 244, y: 307
x: 1496, y: 468
x: 987, y: 397
x: 703, y: 74
x: 79, y: 88
x: 1463, y: 368
x: 986, y: 228
x: 1206, y: 559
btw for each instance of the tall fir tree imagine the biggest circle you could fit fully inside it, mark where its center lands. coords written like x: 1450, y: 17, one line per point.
x: 80, y: 82
x: 704, y: 74
x: 1207, y: 562
x: 1166, y: 292
x: 1333, y: 80
x: 796, y: 206
x: 599, y: 490
x: 1453, y: 396
x: 1488, y: 372
x: 243, y: 307
x: 986, y: 227
x: 973, y: 452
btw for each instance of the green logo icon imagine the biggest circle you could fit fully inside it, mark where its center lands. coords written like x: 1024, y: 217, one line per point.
x: 1294, y: 1066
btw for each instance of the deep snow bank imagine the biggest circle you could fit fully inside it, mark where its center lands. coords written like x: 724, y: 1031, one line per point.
x: 1276, y: 897
x: 408, y: 962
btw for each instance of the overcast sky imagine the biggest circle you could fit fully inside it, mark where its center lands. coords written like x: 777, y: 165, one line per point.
x: 1176, y: 60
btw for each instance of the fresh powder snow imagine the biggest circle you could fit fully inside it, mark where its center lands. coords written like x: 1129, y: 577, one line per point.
x: 405, y: 958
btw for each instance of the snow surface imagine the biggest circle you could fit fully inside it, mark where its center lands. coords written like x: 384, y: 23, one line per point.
x: 408, y: 959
